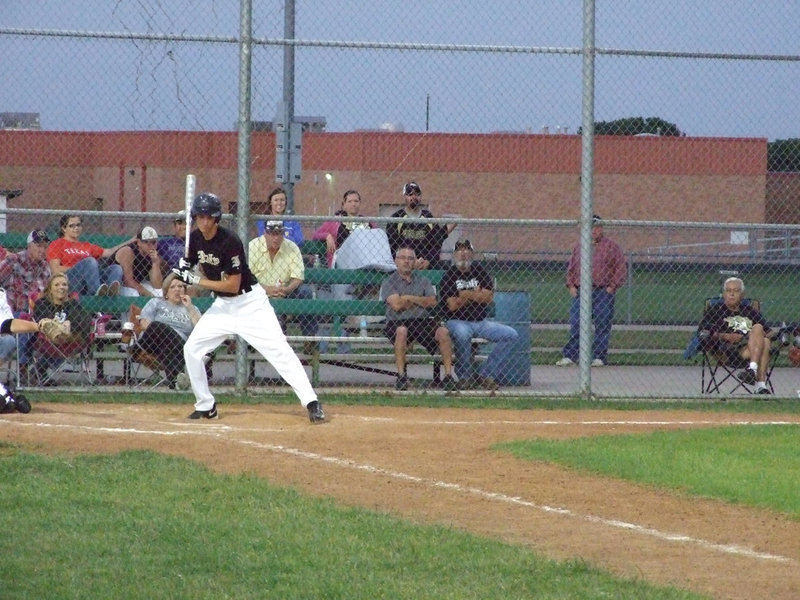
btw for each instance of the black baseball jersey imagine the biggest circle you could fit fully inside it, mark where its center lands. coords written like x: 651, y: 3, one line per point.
x: 425, y: 238
x: 454, y: 280
x: 721, y: 319
x: 224, y: 253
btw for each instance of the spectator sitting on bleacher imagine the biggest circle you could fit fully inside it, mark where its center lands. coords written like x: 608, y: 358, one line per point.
x: 278, y: 265
x: 24, y: 275
x: 276, y: 205
x: 166, y: 323
x: 409, y: 297
x: 466, y: 291
x: 171, y: 248
x: 336, y: 232
x: 141, y: 265
x: 81, y: 260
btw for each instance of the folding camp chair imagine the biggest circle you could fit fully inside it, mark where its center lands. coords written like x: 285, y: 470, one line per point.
x: 139, y: 358
x: 720, y: 363
x: 49, y: 360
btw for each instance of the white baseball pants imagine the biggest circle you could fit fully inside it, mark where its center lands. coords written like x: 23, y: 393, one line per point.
x: 250, y: 316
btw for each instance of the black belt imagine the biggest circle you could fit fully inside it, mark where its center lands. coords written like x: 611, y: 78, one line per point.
x: 246, y: 290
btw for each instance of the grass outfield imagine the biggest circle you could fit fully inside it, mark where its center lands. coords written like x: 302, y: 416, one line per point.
x: 141, y: 525
x: 755, y: 466
x: 656, y: 297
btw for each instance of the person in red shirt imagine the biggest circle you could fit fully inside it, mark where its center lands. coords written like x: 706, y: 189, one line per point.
x: 80, y: 260
x: 609, y: 271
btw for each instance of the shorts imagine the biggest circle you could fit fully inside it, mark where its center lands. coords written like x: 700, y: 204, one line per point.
x: 419, y: 330
x: 732, y: 352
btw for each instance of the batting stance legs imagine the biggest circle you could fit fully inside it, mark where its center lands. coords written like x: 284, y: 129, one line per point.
x: 250, y: 316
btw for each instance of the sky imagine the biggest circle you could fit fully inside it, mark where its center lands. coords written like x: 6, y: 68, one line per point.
x: 109, y: 84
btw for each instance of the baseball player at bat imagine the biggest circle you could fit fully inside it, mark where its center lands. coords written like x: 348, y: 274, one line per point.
x: 240, y: 307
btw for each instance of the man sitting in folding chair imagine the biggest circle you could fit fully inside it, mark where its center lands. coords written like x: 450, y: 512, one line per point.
x: 737, y: 330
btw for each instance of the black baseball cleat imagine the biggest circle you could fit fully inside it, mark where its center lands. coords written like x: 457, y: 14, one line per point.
x: 205, y: 414
x: 315, y: 412
x: 22, y: 403
x: 12, y: 402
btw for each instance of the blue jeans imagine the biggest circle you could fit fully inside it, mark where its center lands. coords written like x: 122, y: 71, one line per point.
x: 25, y: 341
x: 602, y: 317
x: 86, y: 276
x: 462, y: 333
x: 8, y: 346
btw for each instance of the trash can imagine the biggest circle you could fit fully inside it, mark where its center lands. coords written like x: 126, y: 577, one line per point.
x: 514, y: 309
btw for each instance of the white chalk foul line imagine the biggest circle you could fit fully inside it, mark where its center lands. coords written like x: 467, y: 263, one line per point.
x: 515, y: 500
x: 219, y: 430
x: 570, y: 422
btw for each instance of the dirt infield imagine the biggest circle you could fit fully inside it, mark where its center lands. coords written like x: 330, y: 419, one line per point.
x: 436, y: 466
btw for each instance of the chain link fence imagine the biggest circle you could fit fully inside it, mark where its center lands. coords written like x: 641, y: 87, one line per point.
x: 696, y: 157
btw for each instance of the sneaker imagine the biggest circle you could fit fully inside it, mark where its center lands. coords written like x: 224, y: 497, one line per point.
x: 598, y: 363
x: 102, y: 290
x: 182, y: 382
x: 315, y: 412
x: 401, y: 384
x: 764, y: 391
x: 113, y: 289
x: 7, y: 405
x: 205, y: 414
x: 565, y: 362
x: 488, y: 383
x: 449, y: 384
x: 747, y: 376
x: 468, y: 383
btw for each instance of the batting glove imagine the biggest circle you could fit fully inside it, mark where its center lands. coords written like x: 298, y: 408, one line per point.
x: 184, y: 264
x: 187, y: 276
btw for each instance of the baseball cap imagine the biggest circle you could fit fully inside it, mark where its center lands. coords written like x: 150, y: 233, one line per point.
x: 411, y: 187
x: 464, y: 244
x: 273, y: 226
x: 180, y: 217
x: 148, y: 234
x: 38, y: 236
x: 596, y: 220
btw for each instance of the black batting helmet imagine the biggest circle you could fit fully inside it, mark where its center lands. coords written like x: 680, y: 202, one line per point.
x: 207, y: 204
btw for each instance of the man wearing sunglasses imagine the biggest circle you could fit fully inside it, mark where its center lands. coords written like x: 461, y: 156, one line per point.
x: 425, y: 239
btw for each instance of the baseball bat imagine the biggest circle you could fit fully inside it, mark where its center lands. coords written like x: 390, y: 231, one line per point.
x: 190, y: 185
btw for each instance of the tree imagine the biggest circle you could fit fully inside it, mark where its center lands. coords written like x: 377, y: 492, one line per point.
x: 783, y: 155
x: 636, y: 126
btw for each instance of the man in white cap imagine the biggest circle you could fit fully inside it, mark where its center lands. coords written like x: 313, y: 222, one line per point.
x: 141, y: 265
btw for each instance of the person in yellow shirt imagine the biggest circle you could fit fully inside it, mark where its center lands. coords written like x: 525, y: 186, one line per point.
x: 278, y: 265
